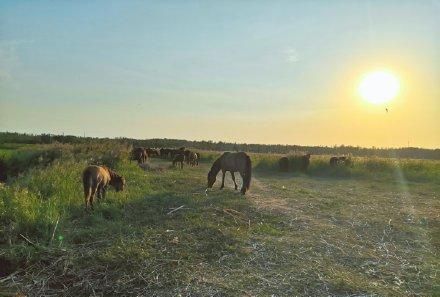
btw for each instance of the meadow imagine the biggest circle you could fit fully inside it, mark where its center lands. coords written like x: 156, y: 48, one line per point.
x: 370, y: 229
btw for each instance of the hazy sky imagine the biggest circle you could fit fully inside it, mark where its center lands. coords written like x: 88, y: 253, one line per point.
x: 246, y: 71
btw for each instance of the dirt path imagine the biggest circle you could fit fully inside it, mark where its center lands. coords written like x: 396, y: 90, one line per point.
x: 265, y: 198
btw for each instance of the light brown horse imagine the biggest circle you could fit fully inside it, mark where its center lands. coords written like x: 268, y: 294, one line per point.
x: 233, y: 162
x: 95, y: 181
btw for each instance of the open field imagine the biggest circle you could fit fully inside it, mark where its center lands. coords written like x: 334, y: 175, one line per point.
x: 368, y: 230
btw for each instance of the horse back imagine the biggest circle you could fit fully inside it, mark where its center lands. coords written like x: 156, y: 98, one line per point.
x: 94, y: 174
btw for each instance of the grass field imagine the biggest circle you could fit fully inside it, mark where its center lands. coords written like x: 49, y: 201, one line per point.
x: 370, y: 230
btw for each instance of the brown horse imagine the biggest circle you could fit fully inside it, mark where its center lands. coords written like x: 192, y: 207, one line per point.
x: 232, y: 162
x: 139, y: 154
x: 95, y: 181
x: 305, y: 162
x: 193, y: 159
x: 179, y: 158
x: 335, y: 161
x: 152, y: 152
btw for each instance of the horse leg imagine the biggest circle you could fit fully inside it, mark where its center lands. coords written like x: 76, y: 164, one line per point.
x: 94, y: 190
x: 87, y: 193
x: 233, y: 178
x: 103, y: 190
x: 223, y: 179
x: 243, y: 188
x: 99, y: 192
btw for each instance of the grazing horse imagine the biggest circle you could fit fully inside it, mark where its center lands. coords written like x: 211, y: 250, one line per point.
x: 284, y: 164
x: 95, y: 181
x: 139, y: 154
x: 232, y: 162
x: 179, y: 158
x: 193, y: 159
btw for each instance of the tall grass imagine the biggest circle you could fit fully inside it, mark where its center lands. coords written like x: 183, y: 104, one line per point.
x: 361, y: 167
x: 32, y: 204
x: 51, y: 187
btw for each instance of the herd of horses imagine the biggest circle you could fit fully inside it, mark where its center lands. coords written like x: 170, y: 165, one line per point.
x: 303, y: 162
x: 178, y: 156
x: 97, y: 178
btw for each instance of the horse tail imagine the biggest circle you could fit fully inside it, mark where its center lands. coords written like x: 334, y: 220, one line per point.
x: 87, y: 183
x: 248, y: 172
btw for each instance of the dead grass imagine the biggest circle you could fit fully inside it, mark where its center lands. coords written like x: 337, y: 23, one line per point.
x: 291, y: 236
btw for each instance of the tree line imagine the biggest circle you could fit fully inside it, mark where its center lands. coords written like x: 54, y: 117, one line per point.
x: 404, y: 152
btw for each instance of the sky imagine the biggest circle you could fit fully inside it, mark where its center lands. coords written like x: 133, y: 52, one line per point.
x: 275, y: 72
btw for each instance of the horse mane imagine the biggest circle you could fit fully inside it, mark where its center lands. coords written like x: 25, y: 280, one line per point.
x: 248, y: 172
x: 113, y: 174
x: 216, y: 166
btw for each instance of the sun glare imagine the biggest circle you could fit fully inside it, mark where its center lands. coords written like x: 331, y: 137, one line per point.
x: 379, y: 87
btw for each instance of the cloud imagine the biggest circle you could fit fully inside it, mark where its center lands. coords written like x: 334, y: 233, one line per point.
x: 291, y: 55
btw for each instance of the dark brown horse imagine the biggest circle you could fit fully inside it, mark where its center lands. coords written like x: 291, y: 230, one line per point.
x: 179, y: 158
x: 284, y: 164
x: 232, y: 162
x: 95, y: 181
x: 139, y: 154
x: 152, y: 152
x: 305, y: 162
x: 187, y: 153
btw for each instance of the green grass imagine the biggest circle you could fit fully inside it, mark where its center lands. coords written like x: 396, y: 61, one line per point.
x: 293, y: 235
x: 367, y: 168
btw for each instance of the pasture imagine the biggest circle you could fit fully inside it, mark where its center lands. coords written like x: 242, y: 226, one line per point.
x: 368, y: 230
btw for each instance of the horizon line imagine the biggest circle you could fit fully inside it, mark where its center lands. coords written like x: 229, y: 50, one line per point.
x: 227, y: 142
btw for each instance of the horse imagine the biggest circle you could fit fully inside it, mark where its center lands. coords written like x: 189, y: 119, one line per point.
x: 187, y: 153
x: 152, y: 152
x: 95, y: 181
x: 232, y: 162
x: 193, y: 159
x: 284, y: 164
x: 165, y: 153
x: 335, y: 161
x: 305, y: 162
x: 139, y: 154
x: 179, y: 158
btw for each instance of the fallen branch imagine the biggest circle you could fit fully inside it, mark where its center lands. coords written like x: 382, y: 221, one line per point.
x: 27, y: 239
x: 175, y: 209
x: 54, y: 230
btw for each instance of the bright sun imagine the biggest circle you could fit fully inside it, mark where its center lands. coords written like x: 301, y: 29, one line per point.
x: 379, y: 87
